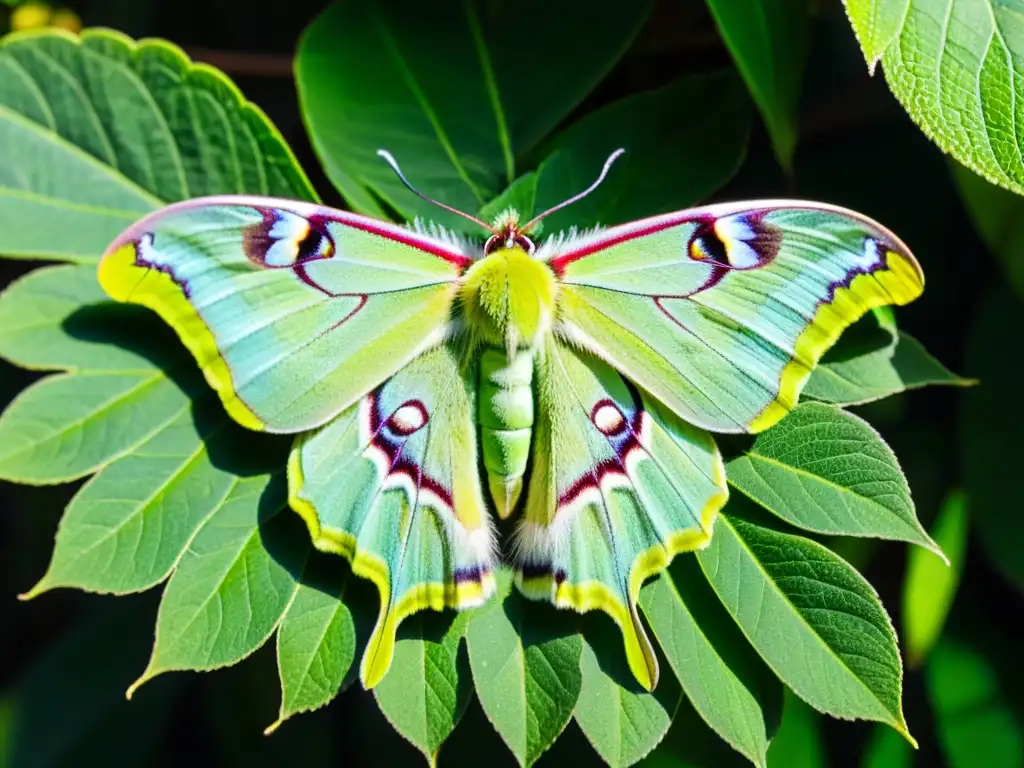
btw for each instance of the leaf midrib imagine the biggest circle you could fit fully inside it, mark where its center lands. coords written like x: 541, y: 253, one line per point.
x: 802, y: 619
x: 409, y: 78
x: 803, y: 473
x: 81, y: 155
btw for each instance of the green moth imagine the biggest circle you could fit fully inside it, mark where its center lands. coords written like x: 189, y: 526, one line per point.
x: 571, y: 382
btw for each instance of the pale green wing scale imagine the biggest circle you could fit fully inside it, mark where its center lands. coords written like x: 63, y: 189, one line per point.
x: 292, y: 310
x: 619, y: 486
x: 722, y: 312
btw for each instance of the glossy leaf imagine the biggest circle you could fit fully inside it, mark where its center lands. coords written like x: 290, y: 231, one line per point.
x: 876, y: 23
x: 233, y: 584
x: 879, y: 373
x: 812, y: 617
x: 954, y: 67
x: 976, y: 725
x: 622, y: 721
x: 69, y: 425
x: 100, y: 130
x: 726, y: 701
x: 526, y: 669
x: 931, y: 585
x: 990, y: 435
x: 657, y: 130
x: 128, y: 527
x: 690, y: 743
x: 521, y: 195
x: 316, y: 643
x: 457, y: 123
x: 44, y: 323
x: 768, y: 40
x: 830, y: 472
x: 425, y: 692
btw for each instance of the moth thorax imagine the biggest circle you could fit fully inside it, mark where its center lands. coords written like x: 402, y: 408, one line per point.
x: 508, y: 298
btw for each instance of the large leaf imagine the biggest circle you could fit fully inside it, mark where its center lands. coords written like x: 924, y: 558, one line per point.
x: 44, y: 324
x: 991, y: 429
x: 830, y: 472
x: 725, y: 695
x: 316, y: 643
x: 812, y: 617
x: 768, y: 41
x: 931, y: 584
x: 426, y: 691
x: 127, y: 527
x: 233, y: 584
x: 620, y: 719
x: 955, y: 65
x: 976, y: 725
x: 526, y: 669
x: 457, y: 92
x: 657, y: 130
x: 879, y: 373
x: 69, y: 425
x: 98, y: 131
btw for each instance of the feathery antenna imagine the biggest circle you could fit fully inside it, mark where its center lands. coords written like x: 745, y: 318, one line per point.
x: 390, y: 160
x: 604, y: 172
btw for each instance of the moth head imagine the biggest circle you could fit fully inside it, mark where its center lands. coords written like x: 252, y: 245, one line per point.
x: 507, y: 234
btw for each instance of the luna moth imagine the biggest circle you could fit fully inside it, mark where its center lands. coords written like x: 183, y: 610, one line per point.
x: 432, y: 381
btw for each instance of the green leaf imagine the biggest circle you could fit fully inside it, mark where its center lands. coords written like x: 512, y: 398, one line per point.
x: 316, y: 643
x: 69, y: 425
x: 955, y: 68
x: 127, y: 528
x: 521, y: 194
x: 996, y: 215
x: 100, y: 130
x: 880, y: 373
x: 622, y: 721
x: 43, y: 323
x: 724, y: 700
x: 812, y: 617
x: 799, y: 741
x: 931, y: 585
x: 976, y: 726
x: 876, y: 24
x: 830, y: 472
x: 690, y: 743
x: 768, y: 40
x: 990, y: 430
x: 425, y: 692
x: 459, y: 122
x: 233, y: 584
x: 526, y: 668
x: 657, y: 130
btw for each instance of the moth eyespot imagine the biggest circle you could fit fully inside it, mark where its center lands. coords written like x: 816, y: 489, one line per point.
x: 285, y: 239
x: 743, y: 241
x: 706, y: 246
x: 408, y: 418
x: 608, y: 418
